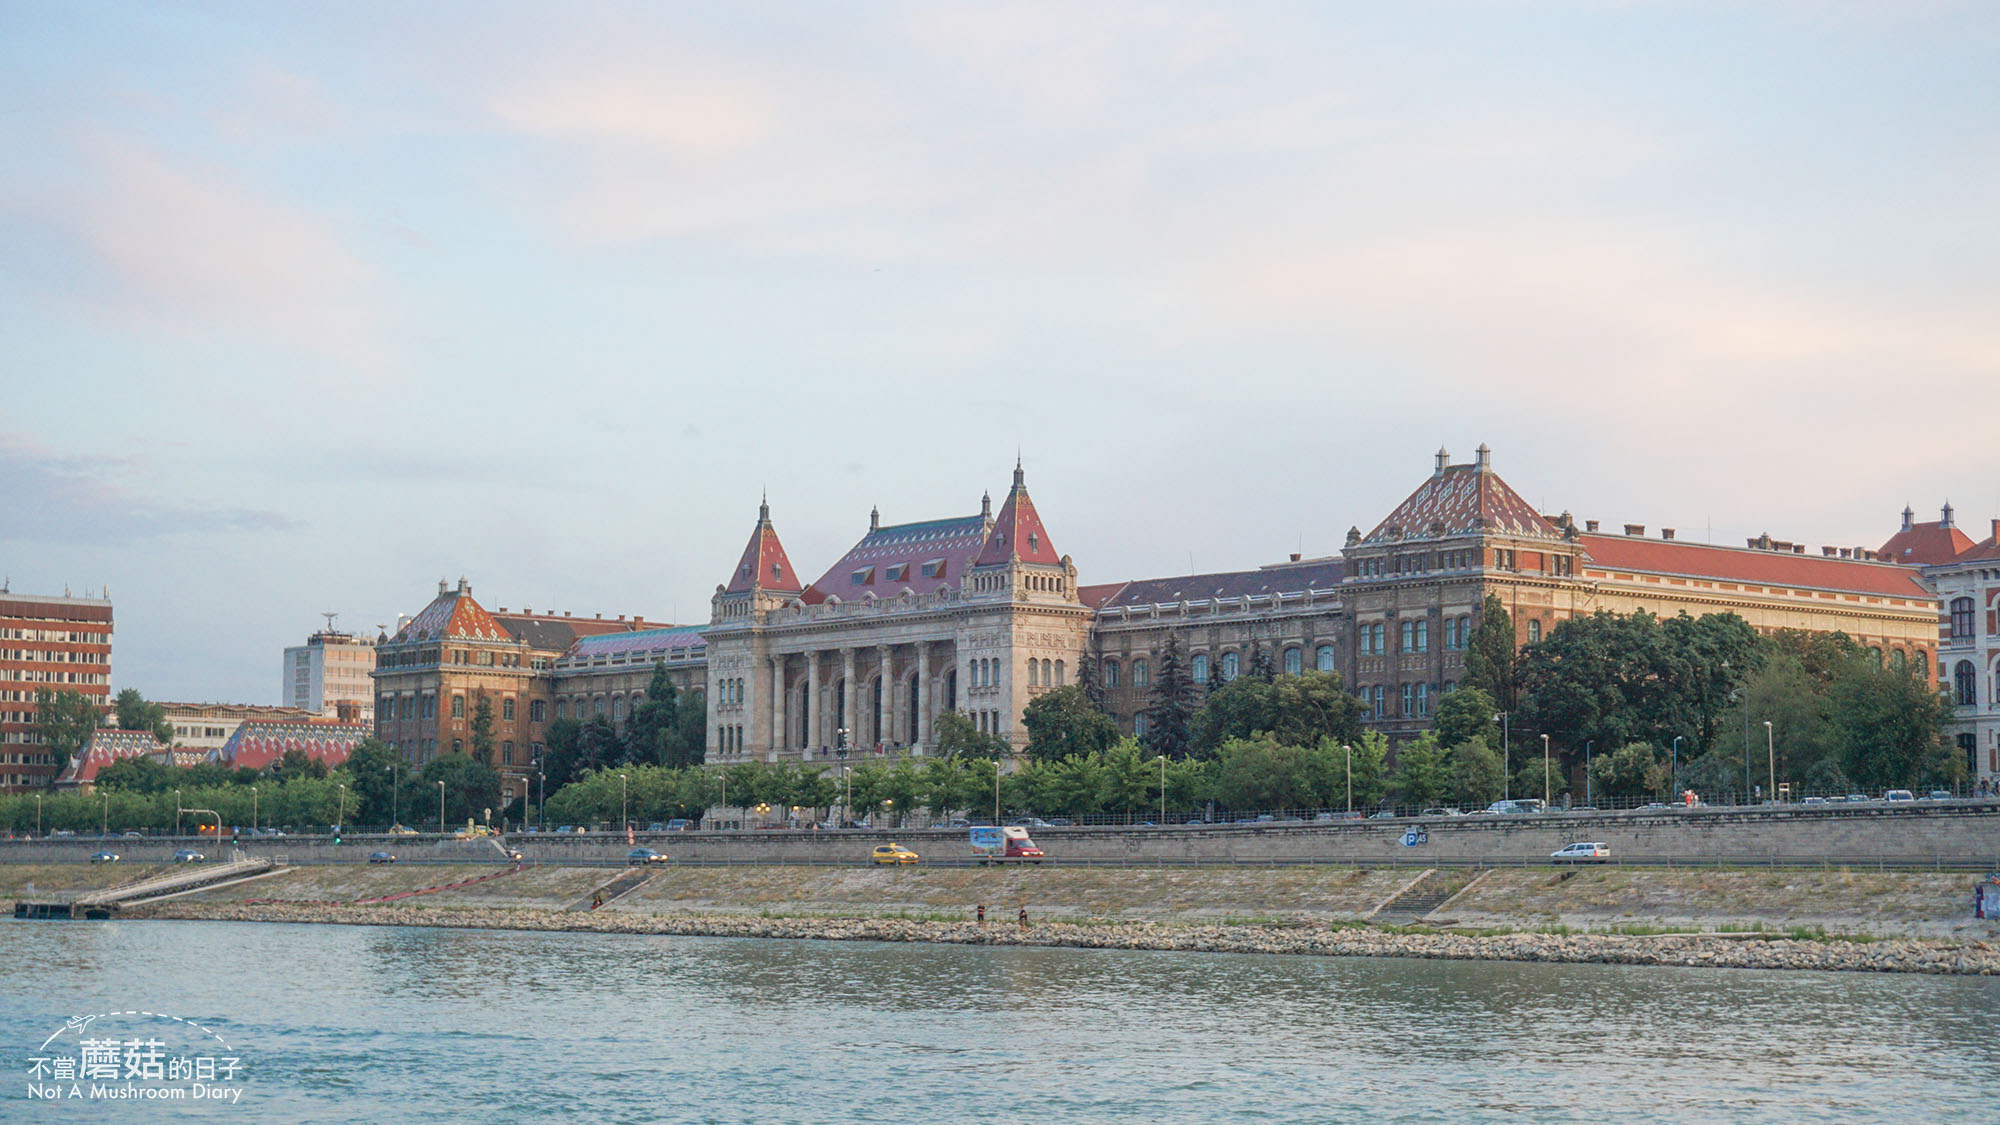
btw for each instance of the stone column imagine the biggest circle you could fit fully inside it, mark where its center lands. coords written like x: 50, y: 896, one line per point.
x: 887, y: 707
x: 815, y: 714
x: 777, y: 702
x: 924, y: 695
x: 847, y: 694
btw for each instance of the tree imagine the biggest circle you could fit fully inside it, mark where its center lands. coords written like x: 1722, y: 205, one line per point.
x: 1423, y: 775
x: 1299, y: 709
x: 1370, y: 754
x: 1173, y: 703
x: 653, y: 721
x: 64, y: 722
x: 138, y: 775
x: 482, y: 728
x: 560, y: 763
x: 1063, y: 722
x: 1529, y: 782
x: 1465, y: 715
x: 957, y: 736
x: 1261, y: 667
x: 1475, y: 773
x: 470, y: 786
x: 297, y: 763
x: 374, y: 769
x: 134, y: 713
x: 1634, y: 770
x: 687, y: 740
x: 1489, y: 653
x: 598, y: 745
x: 1887, y: 727
x: 1088, y: 679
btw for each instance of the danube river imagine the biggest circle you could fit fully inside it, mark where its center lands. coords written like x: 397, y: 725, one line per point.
x: 381, y: 1024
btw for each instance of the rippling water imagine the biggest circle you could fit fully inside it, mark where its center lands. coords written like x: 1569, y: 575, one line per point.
x: 380, y: 1024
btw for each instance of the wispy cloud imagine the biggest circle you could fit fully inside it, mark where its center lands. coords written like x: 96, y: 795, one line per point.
x: 66, y: 498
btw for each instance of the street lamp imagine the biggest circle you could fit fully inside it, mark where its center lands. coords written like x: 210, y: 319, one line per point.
x: 1506, y: 758
x: 1350, y: 776
x: 1771, y: 748
x: 996, y: 791
x: 104, y: 828
x: 846, y: 795
x: 541, y: 796
x: 1587, y: 744
x: 624, y: 817
x: 1677, y: 767
x: 38, y: 814
x: 440, y: 808
x: 253, y: 810
x: 1163, y: 788
x: 395, y: 790
x: 340, y: 816
x: 177, y: 813
x: 1545, y: 771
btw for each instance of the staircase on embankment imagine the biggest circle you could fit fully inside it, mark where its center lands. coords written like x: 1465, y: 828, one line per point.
x: 1422, y: 895
x: 103, y: 904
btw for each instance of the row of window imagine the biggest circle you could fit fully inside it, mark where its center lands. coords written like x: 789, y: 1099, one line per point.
x: 409, y: 706
x: 38, y: 676
x: 729, y: 739
x: 1042, y: 674
x: 43, y: 656
x: 988, y: 721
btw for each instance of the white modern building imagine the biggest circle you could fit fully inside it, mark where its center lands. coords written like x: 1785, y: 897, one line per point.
x: 331, y: 668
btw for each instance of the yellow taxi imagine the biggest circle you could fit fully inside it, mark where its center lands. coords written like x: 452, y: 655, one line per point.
x: 893, y: 853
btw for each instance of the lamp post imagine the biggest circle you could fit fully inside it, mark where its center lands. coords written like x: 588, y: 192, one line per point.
x: 996, y: 791
x: 104, y: 827
x: 340, y: 815
x: 1506, y: 757
x: 541, y: 796
x: 1350, y: 776
x: 1163, y: 790
x: 1771, y: 748
x: 1546, y: 790
x: 1587, y: 744
x: 440, y: 808
x: 38, y: 814
x: 846, y: 795
x: 624, y: 805
x: 253, y: 810
x: 177, y: 813
x: 395, y: 790
x: 1677, y: 767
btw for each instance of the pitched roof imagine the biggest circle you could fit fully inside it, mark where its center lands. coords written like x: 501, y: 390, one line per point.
x: 256, y: 745
x: 1925, y: 544
x: 1983, y: 551
x: 1280, y: 578
x: 642, y: 647
x: 1739, y: 564
x: 105, y: 747
x: 1017, y: 532
x: 1460, y: 500
x: 764, y: 565
x: 921, y: 557
x: 452, y: 615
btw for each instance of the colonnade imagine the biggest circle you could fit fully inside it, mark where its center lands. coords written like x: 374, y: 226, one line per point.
x: 911, y: 690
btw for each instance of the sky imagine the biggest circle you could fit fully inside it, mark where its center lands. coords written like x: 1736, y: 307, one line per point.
x: 308, y: 306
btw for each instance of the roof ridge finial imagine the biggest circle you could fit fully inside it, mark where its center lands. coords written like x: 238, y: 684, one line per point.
x: 764, y: 506
x: 986, y: 505
x: 874, y: 518
x: 1485, y: 458
x: 1020, y: 478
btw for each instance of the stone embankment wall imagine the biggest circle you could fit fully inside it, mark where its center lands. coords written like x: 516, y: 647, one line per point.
x: 1957, y: 834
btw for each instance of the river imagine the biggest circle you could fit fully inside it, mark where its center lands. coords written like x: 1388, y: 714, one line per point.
x: 332, y: 1023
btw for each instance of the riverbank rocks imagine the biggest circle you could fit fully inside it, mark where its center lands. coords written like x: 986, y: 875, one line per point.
x: 1737, y: 951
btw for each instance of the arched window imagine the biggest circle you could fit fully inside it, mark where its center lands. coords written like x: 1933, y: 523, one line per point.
x: 1199, y: 667
x: 1381, y: 698
x: 597, y: 707
x: 618, y: 709
x: 1141, y: 723
x: 1381, y: 640
x: 1423, y: 636
x: 1230, y: 666
x: 1111, y: 673
x: 1323, y: 659
x: 1140, y: 673
x: 1875, y: 652
x: 1534, y: 631
x: 1961, y: 617
x: 562, y: 709
x: 1899, y: 660
x: 1045, y: 674
x: 1060, y: 677
x: 458, y: 707
x: 1034, y: 678
x: 1294, y: 662
x: 1409, y: 636
x: 1965, y: 684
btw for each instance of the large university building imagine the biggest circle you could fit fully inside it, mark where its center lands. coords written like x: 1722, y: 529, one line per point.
x: 46, y: 644
x: 980, y: 613
x: 1966, y: 576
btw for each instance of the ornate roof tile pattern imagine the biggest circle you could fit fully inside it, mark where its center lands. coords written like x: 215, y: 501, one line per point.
x: 1460, y: 500
x: 921, y: 557
x: 1283, y: 578
x: 106, y: 747
x: 644, y: 646
x: 452, y: 615
x: 1017, y: 532
x: 255, y: 745
x: 764, y: 564
x: 1739, y: 564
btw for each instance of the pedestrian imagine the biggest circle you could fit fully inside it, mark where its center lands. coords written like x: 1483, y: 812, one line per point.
x: 597, y: 900
x: 982, y: 914
x: 1022, y: 917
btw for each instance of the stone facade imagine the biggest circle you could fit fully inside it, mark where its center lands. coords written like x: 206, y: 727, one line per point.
x: 1967, y: 578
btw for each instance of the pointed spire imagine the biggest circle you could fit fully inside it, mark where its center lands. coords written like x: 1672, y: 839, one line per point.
x: 764, y: 507
x: 1019, y: 476
x: 986, y: 505
x: 874, y: 520
x: 1017, y: 532
x: 764, y: 565
x: 1909, y: 517
x: 1944, y: 516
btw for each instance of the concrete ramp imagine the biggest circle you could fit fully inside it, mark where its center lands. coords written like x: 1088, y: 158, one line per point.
x: 104, y: 903
x: 616, y: 889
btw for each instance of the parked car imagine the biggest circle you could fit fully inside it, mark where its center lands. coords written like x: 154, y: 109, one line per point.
x: 1899, y: 795
x: 1432, y: 812
x: 1054, y: 822
x: 1384, y: 814
x: 1031, y: 822
x: 1938, y: 795
x: 401, y: 830
x: 1858, y: 798
x: 1515, y: 807
x: 1582, y: 853
x: 134, y: 836
x: 1813, y: 801
x: 645, y: 855
x: 105, y: 857
x: 188, y: 855
x: 893, y: 854
x: 381, y: 857
x: 678, y: 824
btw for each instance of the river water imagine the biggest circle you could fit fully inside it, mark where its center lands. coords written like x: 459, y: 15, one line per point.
x: 382, y: 1024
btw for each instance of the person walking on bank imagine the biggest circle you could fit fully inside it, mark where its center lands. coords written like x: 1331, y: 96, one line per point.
x: 982, y: 914
x: 1022, y: 917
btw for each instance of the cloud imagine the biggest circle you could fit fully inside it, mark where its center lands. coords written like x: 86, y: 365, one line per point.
x: 185, y: 249
x: 76, y: 498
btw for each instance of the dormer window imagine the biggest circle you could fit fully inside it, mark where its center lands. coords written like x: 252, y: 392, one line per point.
x: 777, y: 571
x: 899, y: 572
x: 933, y: 568
x: 1034, y: 543
x: 863, y: 576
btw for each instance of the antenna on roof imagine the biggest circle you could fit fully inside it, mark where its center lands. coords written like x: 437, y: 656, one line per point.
x: 329, y: 619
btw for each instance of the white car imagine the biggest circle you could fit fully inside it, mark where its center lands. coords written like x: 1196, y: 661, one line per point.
x: 1582, y: 853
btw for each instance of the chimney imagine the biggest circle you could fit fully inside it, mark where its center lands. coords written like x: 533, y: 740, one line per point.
x: 1295, y: 556
x: 1798, y: 548
x: 1443, y: 459
x: 1908, y: 517
x: 874, y: 519
x: 1829, y: 552
x: 600, y: 617
x: 1590, y: 525
x: 443, y: 587
x: 621, y: 617
x: 1485, y: 458
x: 1666, y: 533
x: 1635, y: 529
x: 1996, y: 531
x: 565, y: 613
x: 1944, y: 520
x: 502, y: 609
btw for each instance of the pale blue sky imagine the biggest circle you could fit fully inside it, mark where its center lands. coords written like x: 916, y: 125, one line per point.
x: 306, y: 306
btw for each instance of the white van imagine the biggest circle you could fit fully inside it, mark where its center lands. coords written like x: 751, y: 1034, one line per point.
x: 1582, y: 853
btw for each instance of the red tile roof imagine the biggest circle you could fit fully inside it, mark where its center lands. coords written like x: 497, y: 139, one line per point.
x: 1279, y: 578
x: 454, y: 615
x: 1925, y: 544
x: 764, y: 564
x: 1460, y: 500
x: 255, y: 745
x: 105, y: 747
x: 1738, y: 564
x: 921, y: 557
x: 1096, y: 596
x: 1017, y: 531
